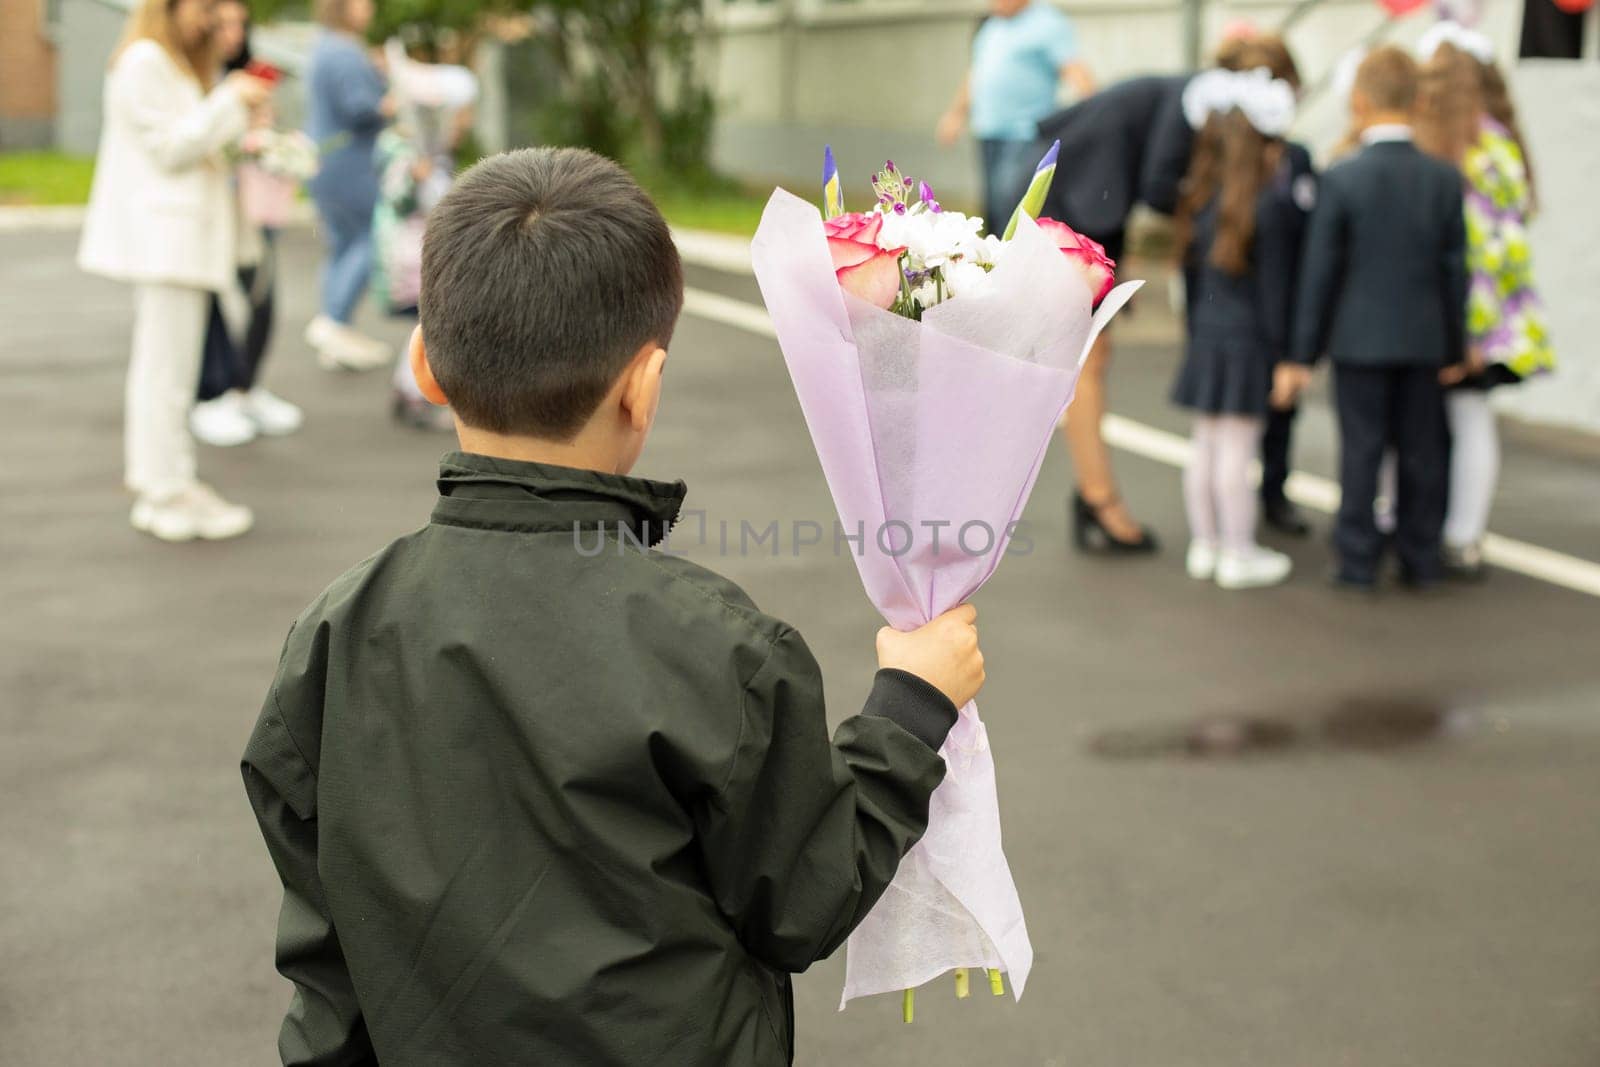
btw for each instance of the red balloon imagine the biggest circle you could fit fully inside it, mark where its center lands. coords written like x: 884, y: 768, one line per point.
x: 1398, y: 8
x: 1574, y: 7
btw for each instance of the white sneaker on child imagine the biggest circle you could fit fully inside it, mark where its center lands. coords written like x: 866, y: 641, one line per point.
x: 190, y: 513
x: 1201, y: 562
x: 272, y: 415
x: 1253, y: 569
x: 341, y: 348
x: 222, y: 422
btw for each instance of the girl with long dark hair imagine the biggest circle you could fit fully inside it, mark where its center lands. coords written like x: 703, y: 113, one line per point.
x: 1239, y: 238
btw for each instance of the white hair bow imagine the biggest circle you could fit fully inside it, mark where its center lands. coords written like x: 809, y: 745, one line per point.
x: 1267, y: 102
x: 1473, y: 43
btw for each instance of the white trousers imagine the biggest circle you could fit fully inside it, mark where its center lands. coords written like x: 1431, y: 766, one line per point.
x: 169, y: 335
x: 1474, y: 466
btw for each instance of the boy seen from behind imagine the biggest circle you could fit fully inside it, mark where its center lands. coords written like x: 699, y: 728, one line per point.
x: 533, y: 803
x: 1383, y: 290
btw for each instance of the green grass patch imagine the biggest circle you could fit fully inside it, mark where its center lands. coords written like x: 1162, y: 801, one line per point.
x: 720, y: 205
x: 44, y: 178
x: 714, y: 204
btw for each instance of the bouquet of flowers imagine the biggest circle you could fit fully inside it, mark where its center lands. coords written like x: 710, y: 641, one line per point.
x: 272, y: 166
x: 932, y: 362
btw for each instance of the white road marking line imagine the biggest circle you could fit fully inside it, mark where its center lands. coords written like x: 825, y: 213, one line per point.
x: 717, y: 251
x: 1308, y: 490
x: 728, y: 311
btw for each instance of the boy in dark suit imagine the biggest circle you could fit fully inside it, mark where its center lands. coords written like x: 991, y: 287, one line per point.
x: 1383, y: 289
x: 537, y: 792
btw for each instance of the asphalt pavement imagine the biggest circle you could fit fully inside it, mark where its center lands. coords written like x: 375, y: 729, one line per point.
x: 1282, y: 827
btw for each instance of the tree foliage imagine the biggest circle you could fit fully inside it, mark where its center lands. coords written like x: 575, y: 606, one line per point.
x: 616, y: 75
x: 620, y: 76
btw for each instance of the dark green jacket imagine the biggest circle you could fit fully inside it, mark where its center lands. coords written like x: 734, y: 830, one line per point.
x: 537, y: 804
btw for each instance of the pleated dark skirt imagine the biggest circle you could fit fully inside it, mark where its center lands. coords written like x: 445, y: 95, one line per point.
x: 1222, y: 378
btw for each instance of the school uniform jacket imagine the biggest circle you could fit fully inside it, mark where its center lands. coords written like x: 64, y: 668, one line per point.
x: 538, y: 795
x: 1106, y: 143
x: 1383, y: 278
x: 1246, y: 315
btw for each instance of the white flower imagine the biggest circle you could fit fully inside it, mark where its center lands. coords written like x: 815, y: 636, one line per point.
x: 931, y: 238
x: 988, y: 250
x: 964, y: 278
x: 290, y: 154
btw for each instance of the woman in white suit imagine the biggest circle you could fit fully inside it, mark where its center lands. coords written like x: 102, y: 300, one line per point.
x: 163, y: 217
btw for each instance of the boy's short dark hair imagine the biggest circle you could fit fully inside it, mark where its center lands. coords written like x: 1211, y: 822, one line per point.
x: 1388, y: 79
x: 543, y: 272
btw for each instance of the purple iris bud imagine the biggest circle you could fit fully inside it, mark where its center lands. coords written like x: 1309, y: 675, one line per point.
x: 934, y: 206
x: 899, y: 209
x: 888, y: 166
x: 925, y: 193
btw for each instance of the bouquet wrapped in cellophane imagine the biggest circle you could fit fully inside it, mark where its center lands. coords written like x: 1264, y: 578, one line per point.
x: 932, y: 362
x: 273, y: 164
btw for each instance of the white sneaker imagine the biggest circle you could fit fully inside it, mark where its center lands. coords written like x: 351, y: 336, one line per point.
x: 272, y: 415
x: 1253, y: 569
x: 341, y: 348
x: 1201, y: 562
x: 194, y: 512
x: 222, y: 422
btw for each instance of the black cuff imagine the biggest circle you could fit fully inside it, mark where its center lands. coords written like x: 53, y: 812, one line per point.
x: 913, y: 704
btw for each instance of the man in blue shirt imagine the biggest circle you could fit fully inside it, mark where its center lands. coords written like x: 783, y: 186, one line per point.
x: 1020, y: 56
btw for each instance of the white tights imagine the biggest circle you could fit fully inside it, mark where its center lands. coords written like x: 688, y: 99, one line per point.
x: 1217, y: 492
x: 1474, y: 470
x: 1474, y: 466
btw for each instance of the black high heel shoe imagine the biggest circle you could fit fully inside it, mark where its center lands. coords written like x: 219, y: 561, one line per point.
x: 1090, y: 534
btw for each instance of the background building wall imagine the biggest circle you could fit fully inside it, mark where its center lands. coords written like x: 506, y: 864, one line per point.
x: 89, y: 31
x: 873, y: 76
x: 27, y: 75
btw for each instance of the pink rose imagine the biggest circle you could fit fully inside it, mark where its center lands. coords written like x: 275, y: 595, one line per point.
x: 1099, y: 272
x: 870, y: 272
x: 855, y: 226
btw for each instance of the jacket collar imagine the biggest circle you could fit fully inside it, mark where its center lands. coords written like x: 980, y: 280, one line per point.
x: 1392, y: 133
x: 490, y: 493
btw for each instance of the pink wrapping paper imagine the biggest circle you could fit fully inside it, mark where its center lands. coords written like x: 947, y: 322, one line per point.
x: 267, y: 199
x: 942, y: 421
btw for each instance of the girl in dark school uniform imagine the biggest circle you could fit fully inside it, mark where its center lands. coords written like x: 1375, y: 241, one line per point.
x: 1239, y: 231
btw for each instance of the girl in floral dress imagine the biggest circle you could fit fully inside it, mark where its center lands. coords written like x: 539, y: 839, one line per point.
x: 1508, y: 340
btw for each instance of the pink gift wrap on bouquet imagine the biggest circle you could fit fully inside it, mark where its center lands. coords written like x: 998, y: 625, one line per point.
x: 931, y: 435
x: 266, y: 198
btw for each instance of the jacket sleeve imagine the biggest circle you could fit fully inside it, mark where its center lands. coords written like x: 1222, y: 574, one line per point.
x: 177, y: 137
x: 1166, y: 155
x: 1453, y: 271
x: 1277, y: 259
x: 805, y: 835
x: 1321, y: 268
x: 324, y: 1026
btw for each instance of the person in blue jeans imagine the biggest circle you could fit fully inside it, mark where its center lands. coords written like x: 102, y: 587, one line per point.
x: 1022, y: 53
x: 348, y: 104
